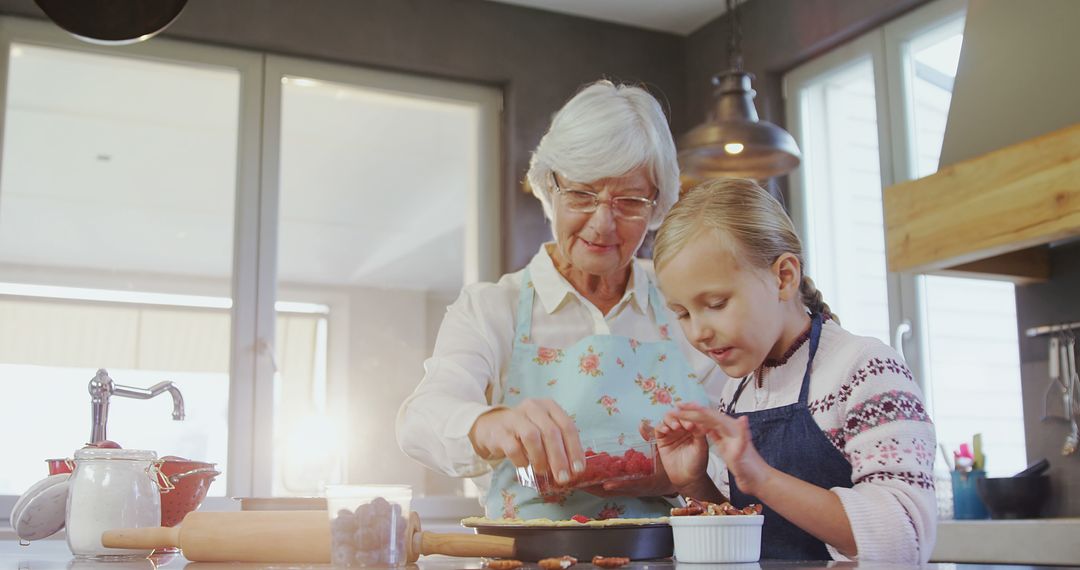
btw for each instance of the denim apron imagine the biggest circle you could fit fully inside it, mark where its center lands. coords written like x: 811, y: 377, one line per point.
x: 609, y: 385
x: 790, y: 440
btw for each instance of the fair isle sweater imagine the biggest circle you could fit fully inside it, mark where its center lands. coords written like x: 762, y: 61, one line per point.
x: 865, y: 401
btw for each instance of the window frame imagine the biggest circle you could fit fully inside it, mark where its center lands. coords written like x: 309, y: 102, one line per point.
x: 482, y: 227
x: 867, y: 46
x: 254, y: 287
x: 896, y: 35
x: 15, y: 30
x: 884, y: 45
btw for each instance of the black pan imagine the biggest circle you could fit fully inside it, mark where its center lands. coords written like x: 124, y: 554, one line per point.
x: 636, y: 542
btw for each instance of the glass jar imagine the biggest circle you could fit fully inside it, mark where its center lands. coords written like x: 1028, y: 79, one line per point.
x: 368, y: 524
x: 111, y: 489
x: 606, y: 459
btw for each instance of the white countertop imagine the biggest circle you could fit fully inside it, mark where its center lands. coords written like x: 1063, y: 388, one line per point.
x: 1033, y: 541
x: 54, y: 555
x: 1028, y: 541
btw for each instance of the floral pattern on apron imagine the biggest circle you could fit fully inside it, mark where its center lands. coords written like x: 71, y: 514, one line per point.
x: 609, y: 385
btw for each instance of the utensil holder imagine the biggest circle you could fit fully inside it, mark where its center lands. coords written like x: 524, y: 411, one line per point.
x: 966, y: 502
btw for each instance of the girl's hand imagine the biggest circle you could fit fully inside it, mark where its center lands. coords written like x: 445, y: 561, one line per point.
x: 684, y: 454
x: 731, y: 439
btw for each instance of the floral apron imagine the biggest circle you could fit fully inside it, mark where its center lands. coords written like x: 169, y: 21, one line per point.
x: 609, y: 385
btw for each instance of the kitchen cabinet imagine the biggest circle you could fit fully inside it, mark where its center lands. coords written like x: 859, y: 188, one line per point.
x: 995, y: 215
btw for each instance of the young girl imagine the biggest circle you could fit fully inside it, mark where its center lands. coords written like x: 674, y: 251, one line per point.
x: 825, y: 428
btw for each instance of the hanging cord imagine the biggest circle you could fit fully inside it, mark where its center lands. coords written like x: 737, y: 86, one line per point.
x: 735, y: 60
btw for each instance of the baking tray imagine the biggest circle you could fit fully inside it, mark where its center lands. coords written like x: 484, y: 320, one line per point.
x: 636, y: 542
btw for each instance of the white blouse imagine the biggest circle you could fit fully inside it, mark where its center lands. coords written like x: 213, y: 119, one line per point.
x: 466, y: 375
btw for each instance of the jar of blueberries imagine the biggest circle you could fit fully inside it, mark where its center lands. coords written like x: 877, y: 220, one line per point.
x: 368, y: 524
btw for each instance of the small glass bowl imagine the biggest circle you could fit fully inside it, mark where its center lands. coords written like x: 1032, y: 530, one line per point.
x: 368, y: 524
x: 606, y: 460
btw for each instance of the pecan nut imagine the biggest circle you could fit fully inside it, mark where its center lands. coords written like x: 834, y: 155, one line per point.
x: 503, y: 564
x: 686, y: 511
x: 560, y: 563
x: 610, y: 561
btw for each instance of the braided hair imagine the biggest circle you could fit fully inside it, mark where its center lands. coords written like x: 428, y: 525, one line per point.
x: 750, y: 216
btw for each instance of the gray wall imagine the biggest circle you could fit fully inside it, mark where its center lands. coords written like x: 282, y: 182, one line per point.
x: 1046, y: 303
x: 538, y: 58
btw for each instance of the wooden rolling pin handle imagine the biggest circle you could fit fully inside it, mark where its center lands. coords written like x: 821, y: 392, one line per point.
x: 141, y: 538
x: 412, y: 538
x: 467, y: 545
x: 419, y: 542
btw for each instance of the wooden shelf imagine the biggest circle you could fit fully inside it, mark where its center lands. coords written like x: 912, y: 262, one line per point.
x: 991, y: 216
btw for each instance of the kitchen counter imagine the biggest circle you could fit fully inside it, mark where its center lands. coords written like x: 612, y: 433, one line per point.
x: 54, y: 555
x: 1031, y: 541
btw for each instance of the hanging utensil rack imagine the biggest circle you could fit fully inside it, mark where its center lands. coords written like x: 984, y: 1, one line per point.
x: 1051, y: 329
x: 1064, y: 374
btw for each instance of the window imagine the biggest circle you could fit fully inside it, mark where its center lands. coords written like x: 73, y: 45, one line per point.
x: 845, y: 240
x: 376, y: 179
x: 115, y: 252
x: 971, y: 356
x: 870, y: 114
x: 242, y: 225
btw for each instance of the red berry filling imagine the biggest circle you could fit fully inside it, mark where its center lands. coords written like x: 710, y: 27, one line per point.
x: 603, y: 466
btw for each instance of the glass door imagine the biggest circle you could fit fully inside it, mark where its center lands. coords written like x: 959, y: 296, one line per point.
x: 834, y: 105
x: 385, y: 201
x: 966, y: 332
x: 120, y: 175
x: 957, y: 335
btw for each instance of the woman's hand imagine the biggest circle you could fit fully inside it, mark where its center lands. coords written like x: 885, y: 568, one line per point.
x: 731, y: 439
x: 536, y: 432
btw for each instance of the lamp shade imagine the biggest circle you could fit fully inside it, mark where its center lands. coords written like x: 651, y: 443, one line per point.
x: 112, y: 22
x: 733, y: 143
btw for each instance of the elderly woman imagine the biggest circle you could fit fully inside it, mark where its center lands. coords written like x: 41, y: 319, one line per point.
x: 579, y: 345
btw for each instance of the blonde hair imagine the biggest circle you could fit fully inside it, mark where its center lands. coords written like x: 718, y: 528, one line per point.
x: 754, y: 220
x: 607, y: 130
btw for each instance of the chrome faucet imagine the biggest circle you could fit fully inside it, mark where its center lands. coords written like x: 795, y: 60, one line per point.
x: 102, y: 388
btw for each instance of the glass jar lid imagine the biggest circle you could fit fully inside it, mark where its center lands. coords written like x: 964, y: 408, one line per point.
x: 92, y: 453
x: 39, y: 512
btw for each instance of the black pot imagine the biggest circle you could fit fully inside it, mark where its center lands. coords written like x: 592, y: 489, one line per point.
x: 1014, y: 497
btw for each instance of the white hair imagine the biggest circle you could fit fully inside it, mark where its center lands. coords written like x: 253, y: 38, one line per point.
x: 607, y: 130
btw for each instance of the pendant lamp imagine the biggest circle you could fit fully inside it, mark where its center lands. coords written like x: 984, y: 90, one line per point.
x: 733, y: 142
x: 112, y: 22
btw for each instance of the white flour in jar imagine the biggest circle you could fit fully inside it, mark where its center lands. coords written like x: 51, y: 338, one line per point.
x: 110, y: 489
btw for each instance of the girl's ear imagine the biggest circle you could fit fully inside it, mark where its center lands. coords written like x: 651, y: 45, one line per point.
x: 788, y: 273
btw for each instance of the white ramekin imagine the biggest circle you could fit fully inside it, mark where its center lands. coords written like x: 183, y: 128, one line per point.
x: 719, y: 538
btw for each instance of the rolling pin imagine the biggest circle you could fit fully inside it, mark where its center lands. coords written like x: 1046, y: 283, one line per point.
x: 285, y: 536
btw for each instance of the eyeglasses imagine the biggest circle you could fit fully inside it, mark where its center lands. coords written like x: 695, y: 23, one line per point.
x: 586, y: 202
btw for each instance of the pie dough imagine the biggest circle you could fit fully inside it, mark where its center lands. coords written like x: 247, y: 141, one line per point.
x: 484, y: 521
